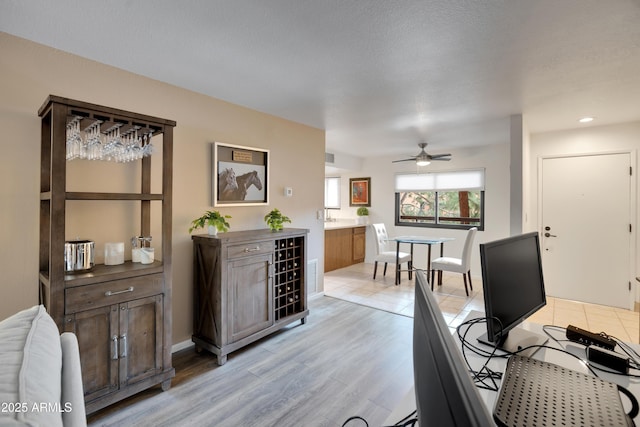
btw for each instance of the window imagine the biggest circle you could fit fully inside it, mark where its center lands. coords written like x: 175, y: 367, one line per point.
x: 441, y: 199
x: 332, y: 192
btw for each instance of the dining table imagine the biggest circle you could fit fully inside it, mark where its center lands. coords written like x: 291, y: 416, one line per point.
x: 418, y: 240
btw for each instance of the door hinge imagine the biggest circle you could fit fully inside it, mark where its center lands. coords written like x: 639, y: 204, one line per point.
x: 630, y: 228
x: 631, y: 170
x: 629, y: 284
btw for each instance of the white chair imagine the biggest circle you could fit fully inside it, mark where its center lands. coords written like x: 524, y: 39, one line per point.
x: 387, y: 254
x: 456, y: 265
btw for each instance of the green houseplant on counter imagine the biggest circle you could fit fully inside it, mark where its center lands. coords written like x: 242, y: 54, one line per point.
x: 363, y: 215
x: 214, y: 220
x: 275, y: 220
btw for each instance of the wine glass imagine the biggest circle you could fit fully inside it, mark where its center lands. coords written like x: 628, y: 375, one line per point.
x: 147, y: 148
x: 94, y: 143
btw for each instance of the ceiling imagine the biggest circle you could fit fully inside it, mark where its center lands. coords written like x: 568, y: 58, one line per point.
x: 378, y: 75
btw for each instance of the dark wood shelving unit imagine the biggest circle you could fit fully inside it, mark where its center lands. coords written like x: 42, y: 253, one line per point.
x: 121, y: 314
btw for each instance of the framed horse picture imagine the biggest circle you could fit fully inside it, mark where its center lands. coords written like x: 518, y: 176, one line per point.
x: 240, y: 175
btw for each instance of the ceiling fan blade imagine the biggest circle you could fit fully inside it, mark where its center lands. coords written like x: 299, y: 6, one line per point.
x: 413, y: 159
x: 438, y: 159
x: 437, y: 156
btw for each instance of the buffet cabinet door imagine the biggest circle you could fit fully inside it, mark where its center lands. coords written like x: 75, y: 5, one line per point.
x: 119, y: 344
x: 250, y: 295
x: 97, y: 333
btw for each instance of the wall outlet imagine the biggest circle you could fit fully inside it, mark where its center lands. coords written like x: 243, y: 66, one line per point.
x: 320, y: 214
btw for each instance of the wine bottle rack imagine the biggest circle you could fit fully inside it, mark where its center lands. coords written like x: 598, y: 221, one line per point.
x: 289, y: 277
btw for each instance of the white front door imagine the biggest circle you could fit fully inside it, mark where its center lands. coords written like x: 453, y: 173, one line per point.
x: 585, y: 226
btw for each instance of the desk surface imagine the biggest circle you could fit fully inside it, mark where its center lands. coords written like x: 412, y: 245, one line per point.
x: 548, y: 355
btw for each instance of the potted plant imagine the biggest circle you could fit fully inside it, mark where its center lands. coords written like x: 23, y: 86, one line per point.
x: 363, y: 215
x: 214, y: 220
x: 275, y: 220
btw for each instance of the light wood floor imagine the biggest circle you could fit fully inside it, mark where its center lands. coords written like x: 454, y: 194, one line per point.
x: 346, y: 360
x: 356, y: 284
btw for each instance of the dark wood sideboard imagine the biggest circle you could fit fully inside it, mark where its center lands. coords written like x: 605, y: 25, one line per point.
x: 247, y: 285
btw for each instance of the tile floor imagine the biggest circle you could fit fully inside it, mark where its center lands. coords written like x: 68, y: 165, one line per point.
x: 356, y: 284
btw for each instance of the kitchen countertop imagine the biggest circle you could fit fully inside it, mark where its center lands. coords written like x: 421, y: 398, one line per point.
x: 346, y: 223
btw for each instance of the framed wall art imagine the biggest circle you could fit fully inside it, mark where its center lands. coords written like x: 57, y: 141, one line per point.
x: 359, y: 192
x: 240, y: 175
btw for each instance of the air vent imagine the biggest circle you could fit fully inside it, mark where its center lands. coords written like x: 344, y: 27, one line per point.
x: 312, y: 276
x: 329, y: 158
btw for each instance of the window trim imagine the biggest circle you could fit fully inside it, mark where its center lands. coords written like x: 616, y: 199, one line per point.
x: 338, y: 189
x: 397, y: 221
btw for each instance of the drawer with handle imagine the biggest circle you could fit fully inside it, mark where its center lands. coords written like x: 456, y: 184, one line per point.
x: 86, y: 297
x: 250, y: 249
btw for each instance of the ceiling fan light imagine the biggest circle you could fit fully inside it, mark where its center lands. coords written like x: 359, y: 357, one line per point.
x: 422, y: 162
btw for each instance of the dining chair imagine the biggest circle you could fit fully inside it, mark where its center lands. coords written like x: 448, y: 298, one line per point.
x: 456, y: 265
x: 387, y: 254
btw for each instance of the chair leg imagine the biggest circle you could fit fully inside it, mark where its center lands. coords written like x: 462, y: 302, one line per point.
x: 433, y: 276
x: 410, y: 265
x: 439, y: 277
x: 384, y: 273
x: 464, y: 276
x: 470, y: 284
x: 375, y: 269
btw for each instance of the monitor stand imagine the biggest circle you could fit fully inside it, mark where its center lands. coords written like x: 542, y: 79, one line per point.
x: 517, y: 339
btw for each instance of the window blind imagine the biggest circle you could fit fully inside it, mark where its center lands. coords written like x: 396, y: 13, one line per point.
x: 332, y: 192
x: 465, y: 180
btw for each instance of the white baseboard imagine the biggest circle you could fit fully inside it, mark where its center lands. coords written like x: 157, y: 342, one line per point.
x: 181, y: 346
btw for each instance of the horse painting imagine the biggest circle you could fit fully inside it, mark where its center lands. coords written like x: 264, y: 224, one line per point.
x: 243, y: 182
x: 227, y: 184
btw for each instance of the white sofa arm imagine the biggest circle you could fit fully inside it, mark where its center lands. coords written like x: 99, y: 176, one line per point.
x: 72, y: 398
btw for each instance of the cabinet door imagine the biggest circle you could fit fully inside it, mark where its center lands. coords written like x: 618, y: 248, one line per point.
x: 250, y: 296
x: 359, y: 244
x: 97, y: 332
x: 140, y: 339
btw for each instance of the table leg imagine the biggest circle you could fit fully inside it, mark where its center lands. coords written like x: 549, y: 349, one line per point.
x: 428, y: 260
x: 397, y: 265
x: 411, y: 264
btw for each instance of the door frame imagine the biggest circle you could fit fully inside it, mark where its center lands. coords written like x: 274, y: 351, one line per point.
x: 633, y: 211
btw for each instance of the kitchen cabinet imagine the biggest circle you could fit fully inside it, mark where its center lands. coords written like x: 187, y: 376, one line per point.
x: 344, y: 246
x: 121, y: 314
x: 247, y: 285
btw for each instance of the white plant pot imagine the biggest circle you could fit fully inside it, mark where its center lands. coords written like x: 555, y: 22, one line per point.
x: 213, y: 230
x: 362, y: 220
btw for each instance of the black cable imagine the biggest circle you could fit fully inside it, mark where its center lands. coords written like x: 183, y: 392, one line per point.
x: 481, y: 376
x: 410, y: 417
x: 355, y: 417
x: 626, y: 349
x: 634, y: 402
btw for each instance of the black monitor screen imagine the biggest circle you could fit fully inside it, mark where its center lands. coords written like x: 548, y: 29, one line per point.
x: 445, y: 393
x: 512, y: 282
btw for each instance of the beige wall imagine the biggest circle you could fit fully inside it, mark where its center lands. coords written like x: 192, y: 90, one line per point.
x: 30, y: 72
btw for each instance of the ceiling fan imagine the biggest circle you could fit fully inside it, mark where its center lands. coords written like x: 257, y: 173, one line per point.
x: 423, y: 158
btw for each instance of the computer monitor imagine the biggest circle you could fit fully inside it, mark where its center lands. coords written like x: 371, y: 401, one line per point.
x: 445, y: 393
x: 513, y: 288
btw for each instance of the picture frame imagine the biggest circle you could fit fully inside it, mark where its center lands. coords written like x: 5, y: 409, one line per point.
x: 360, y: 192
x: 240, y: 175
